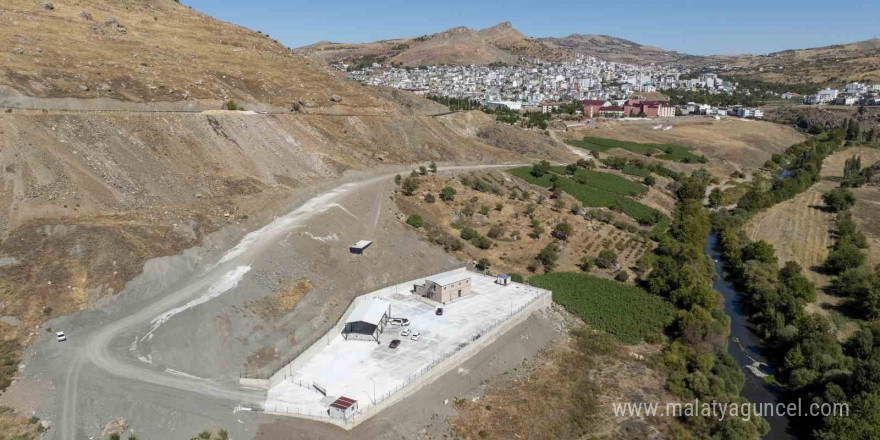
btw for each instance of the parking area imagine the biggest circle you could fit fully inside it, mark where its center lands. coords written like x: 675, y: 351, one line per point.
x: 369, y: 372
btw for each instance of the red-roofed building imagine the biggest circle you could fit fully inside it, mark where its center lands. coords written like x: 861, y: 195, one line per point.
x: 650, y: 109
x: 592, y: 106
x: 343, y: 408
x: 610, y: 111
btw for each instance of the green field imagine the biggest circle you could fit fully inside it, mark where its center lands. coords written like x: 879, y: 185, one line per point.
x: 627, y: 312
x: 633, y: 170
x: 601, y: 190
x: 675, y: 153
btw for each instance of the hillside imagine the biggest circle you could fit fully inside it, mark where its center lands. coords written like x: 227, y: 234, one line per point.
x: 615, y: 49
x: 86, y: 198
x: 158, y: 51
x: 829, y: 65
x: 501, y: 43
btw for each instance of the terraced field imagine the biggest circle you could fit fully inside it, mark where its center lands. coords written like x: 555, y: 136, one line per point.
x: 601, y: 190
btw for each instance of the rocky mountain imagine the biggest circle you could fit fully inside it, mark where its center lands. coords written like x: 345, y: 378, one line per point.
x: 615, y: 49
x: 501, y: 43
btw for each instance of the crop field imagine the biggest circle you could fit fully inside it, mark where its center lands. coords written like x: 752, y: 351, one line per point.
x: 627, y: 312
x: 671, y: 152
x: 633, y: 170
x: 601, y: 190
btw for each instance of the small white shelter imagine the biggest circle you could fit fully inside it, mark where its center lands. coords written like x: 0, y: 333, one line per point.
x: 368, y: 318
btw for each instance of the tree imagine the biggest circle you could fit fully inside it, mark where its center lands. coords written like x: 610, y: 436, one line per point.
x: 650, y: 181
x: 715, y: 198
x: 760, y: 251
x: 447, y: 194
x: 537, y: 230
x: 562, y: 231
x: 541, y: 168
x: 468, y: 234
x: 571, y: 168
x: 499, y: 206
x: 844, y: 257
x: 622, y: 276
x: 839, y: 199
x: 430, y: 198
x: 433, y: 167
x: 410, y: 186
x: 496, y: 232
x: 606, y: 259
x: 586, y: 263
x: 415, y: 221
x: 397, y: 180
x: 481, y: 242
x: 548, y: 257
x: 483, y: 264
x: 423, y: 171
x: 413, y: 173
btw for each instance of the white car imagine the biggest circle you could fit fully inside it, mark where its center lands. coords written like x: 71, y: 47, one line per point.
x: 400, y: 321
x: 405, y: 332
x: 416, y: 336
x: 60, y: 336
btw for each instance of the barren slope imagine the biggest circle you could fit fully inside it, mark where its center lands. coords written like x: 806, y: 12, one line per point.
x: 157, y: 51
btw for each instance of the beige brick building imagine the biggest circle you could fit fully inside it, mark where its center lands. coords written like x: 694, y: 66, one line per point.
x: 444, y: 289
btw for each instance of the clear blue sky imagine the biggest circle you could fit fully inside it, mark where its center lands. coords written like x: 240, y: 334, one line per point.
x: 696, y: 27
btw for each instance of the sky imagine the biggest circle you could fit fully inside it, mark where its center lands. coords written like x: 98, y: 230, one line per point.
x: 695, y: 27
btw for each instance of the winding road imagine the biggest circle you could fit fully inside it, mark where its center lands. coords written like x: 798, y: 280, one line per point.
x: 93, y: 350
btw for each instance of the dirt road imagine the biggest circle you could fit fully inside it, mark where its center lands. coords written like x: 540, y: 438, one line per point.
x: 109, y: 349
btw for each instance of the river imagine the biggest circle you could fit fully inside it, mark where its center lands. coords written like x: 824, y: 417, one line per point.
x: 744, y: 345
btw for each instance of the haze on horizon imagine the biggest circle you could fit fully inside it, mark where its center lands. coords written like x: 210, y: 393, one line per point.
x: 692, y: 27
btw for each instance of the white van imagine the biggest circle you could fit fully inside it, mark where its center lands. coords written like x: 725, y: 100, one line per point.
x: 60, y: 336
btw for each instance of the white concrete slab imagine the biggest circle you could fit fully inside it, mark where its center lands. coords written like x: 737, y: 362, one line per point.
x: 370, y: 373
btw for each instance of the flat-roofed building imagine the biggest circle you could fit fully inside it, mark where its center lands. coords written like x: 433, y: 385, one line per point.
x: 445, y: 288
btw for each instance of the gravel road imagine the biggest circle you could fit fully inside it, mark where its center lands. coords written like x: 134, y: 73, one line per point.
x: 103, y: 344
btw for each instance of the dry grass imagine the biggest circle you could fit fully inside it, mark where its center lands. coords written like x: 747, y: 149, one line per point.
x: 567, y: 393
x: 798, y: 229
x: 168, y: 52
x: 17, y: 427
x: 283, y: 301
x: 729, y: 144
x: 513, y: 255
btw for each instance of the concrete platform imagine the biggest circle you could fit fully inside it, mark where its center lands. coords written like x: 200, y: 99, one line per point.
x: 376, y: 375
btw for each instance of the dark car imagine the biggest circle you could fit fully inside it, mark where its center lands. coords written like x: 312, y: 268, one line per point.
x: 394, y: 343
x: 439, y: 311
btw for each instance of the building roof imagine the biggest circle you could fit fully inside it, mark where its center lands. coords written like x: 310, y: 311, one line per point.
x: 370, y: 311
x: 362, y: 244
x: 611, y: 108
x: 447, y: 279
x: 593, y: 102
x: 343, y: 403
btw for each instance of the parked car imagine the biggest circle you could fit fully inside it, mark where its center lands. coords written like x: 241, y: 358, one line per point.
x: 439, y: 311
x: 416, y: 336
x: 400, y: 321
x: 60, y: 336
x: 394, y: 343
x: 405, y: 332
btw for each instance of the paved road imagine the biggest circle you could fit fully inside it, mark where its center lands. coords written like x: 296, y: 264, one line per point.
x: 93, y: 350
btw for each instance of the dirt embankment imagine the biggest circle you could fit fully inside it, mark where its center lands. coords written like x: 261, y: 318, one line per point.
x: 86, y: 199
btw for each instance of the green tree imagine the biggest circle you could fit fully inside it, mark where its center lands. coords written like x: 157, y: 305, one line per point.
x: 562, y: 231
x: 397, y: 179
x: 410, y: 186
x: 548, y: 257
x: 541, y: 168
x: 447, y: 194
x: 606, y: 259
x: 483, y: 264
x: 415, y: 221
x: 715, y: 198
x: 433, y: 167
x: 839, y: 199
x: 649, y: 180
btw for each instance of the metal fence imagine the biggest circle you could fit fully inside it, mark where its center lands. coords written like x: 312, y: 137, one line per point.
x: 273, y: 368
x: 287, y: 409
